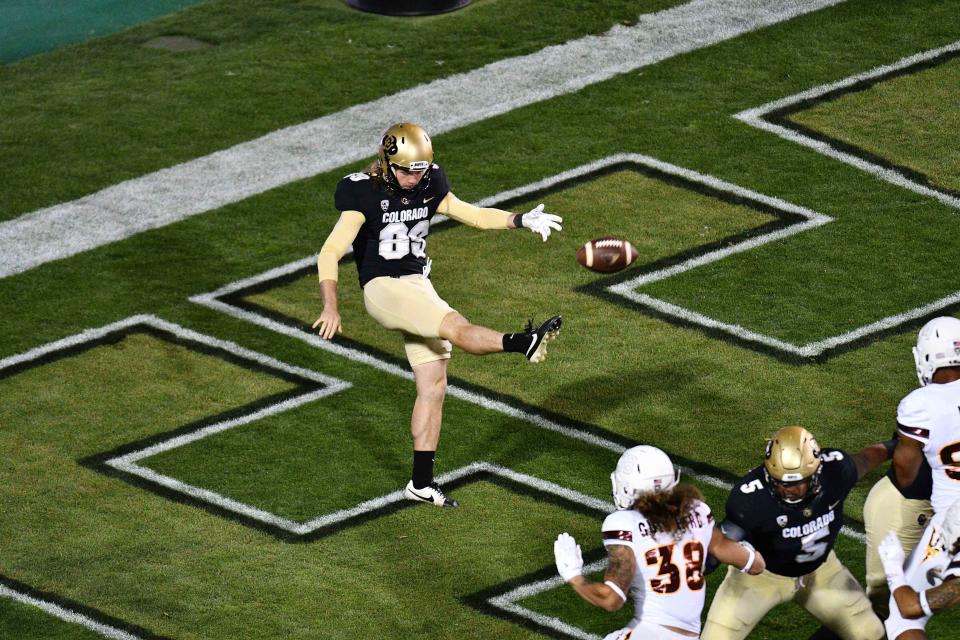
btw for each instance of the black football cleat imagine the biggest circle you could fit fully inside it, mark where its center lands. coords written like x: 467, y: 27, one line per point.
x: 431, y: 494
x: 537, y: 351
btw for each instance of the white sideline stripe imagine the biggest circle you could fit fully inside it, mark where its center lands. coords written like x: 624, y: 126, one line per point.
x: 332, y: 141
x: 755, y: 118
x: 67, y: 615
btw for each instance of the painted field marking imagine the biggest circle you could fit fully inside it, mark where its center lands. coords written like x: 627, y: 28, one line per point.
x: 627, y: 289
x: 311, y: 148
x: 761, y: 117
x: 67, y: 615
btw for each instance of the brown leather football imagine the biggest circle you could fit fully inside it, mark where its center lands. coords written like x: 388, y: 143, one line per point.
x: 606, y: 255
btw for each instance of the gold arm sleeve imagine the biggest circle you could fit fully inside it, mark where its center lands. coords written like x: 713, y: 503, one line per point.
x: 481, y: 218
x: 337, y: 243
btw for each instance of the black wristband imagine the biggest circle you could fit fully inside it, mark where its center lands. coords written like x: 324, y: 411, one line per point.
x: 518, y: 220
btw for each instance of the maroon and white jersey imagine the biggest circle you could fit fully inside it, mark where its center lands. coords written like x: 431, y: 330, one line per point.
x: 669, y: 586
x: 931, y: 416
x: 927, y: 566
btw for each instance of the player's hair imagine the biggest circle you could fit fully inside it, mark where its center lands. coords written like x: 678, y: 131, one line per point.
x: 670, y: 511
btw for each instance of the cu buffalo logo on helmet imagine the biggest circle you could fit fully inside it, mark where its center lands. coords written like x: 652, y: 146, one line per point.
x: 389, y: 145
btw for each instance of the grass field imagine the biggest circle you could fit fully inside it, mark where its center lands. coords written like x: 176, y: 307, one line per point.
x: 196, y: 472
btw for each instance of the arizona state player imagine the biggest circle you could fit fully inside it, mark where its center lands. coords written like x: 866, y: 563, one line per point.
x: 791, y: 510
x: 657, y: 541
x: 928, y: 422
x: 385, y: 215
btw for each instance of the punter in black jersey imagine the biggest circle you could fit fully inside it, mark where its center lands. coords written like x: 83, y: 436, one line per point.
x: 385, y: 215
x: 791, y: 510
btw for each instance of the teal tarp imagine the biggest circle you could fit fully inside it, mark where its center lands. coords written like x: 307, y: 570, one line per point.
x: 28, y: 27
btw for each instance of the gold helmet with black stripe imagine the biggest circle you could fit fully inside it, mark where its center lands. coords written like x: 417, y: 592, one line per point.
x: 792, y: 465
x: 407, y: 146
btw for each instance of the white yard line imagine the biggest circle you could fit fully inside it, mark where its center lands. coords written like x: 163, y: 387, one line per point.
x: 756, y: 117
x: 332, y: 141
x: 66, y: 615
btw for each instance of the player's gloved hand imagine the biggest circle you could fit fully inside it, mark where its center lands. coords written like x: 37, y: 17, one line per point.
x: 891, y: 555
x: 541, y: 222
x: 566, y: 552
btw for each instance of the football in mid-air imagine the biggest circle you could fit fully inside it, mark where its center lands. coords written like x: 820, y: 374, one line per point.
x: 607, y: 255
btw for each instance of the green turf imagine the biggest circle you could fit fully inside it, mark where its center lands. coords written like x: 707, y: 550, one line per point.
x: 17, y: 617
x: 910, y: 121
x: 87, y: 117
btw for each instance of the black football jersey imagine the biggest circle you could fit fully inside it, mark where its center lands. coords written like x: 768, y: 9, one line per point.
x: 393, y: 240
x: 794, y: 540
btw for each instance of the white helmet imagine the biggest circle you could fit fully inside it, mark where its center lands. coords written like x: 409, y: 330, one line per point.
x: 938, y: 345
x: 950, y: 529
x: 642, y: 469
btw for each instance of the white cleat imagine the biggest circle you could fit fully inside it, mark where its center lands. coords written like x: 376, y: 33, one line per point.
x: 431, y: 494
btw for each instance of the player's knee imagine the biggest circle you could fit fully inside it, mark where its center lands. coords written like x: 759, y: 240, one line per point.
x: 432, y: 390
x: 452, y: 327
x: 867, y: 626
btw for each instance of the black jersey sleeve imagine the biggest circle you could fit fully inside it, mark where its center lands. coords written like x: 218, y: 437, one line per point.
x: 840, y: 465
x: 353, y: 193
x: 439, y: 185
x: 739, y: 512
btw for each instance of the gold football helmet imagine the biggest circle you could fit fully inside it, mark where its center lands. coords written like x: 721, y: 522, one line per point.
x: 792, y: 464
x: 404, y: 145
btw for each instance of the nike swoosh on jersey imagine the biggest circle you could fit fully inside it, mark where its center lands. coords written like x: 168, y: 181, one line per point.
x: 834, y: 505
x: 426, y: 200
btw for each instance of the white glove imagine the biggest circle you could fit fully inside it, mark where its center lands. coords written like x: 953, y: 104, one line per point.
x: 566, y: 552
x: 891, y: 555
x: 539, y: 222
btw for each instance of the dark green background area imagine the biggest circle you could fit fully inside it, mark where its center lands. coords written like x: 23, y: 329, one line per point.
x: 29, y: 27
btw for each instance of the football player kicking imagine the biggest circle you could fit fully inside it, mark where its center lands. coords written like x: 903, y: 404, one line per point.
x: 928, y: 421
x: 657, y: 542
x: 385, y: 215
x: 933, y: 585
x: 791, y: 509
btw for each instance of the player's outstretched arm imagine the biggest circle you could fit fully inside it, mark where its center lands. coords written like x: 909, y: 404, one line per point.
x: 609, y: 594
x: 489, y: 218
x: 944, y: 595
x: 739, y: 554
x: 873, y: 455
x: 340, y: 238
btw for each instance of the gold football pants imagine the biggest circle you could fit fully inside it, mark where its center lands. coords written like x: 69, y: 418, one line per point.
x: 887, y: 510
x: 831, y: 594
x: 409, y: 304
